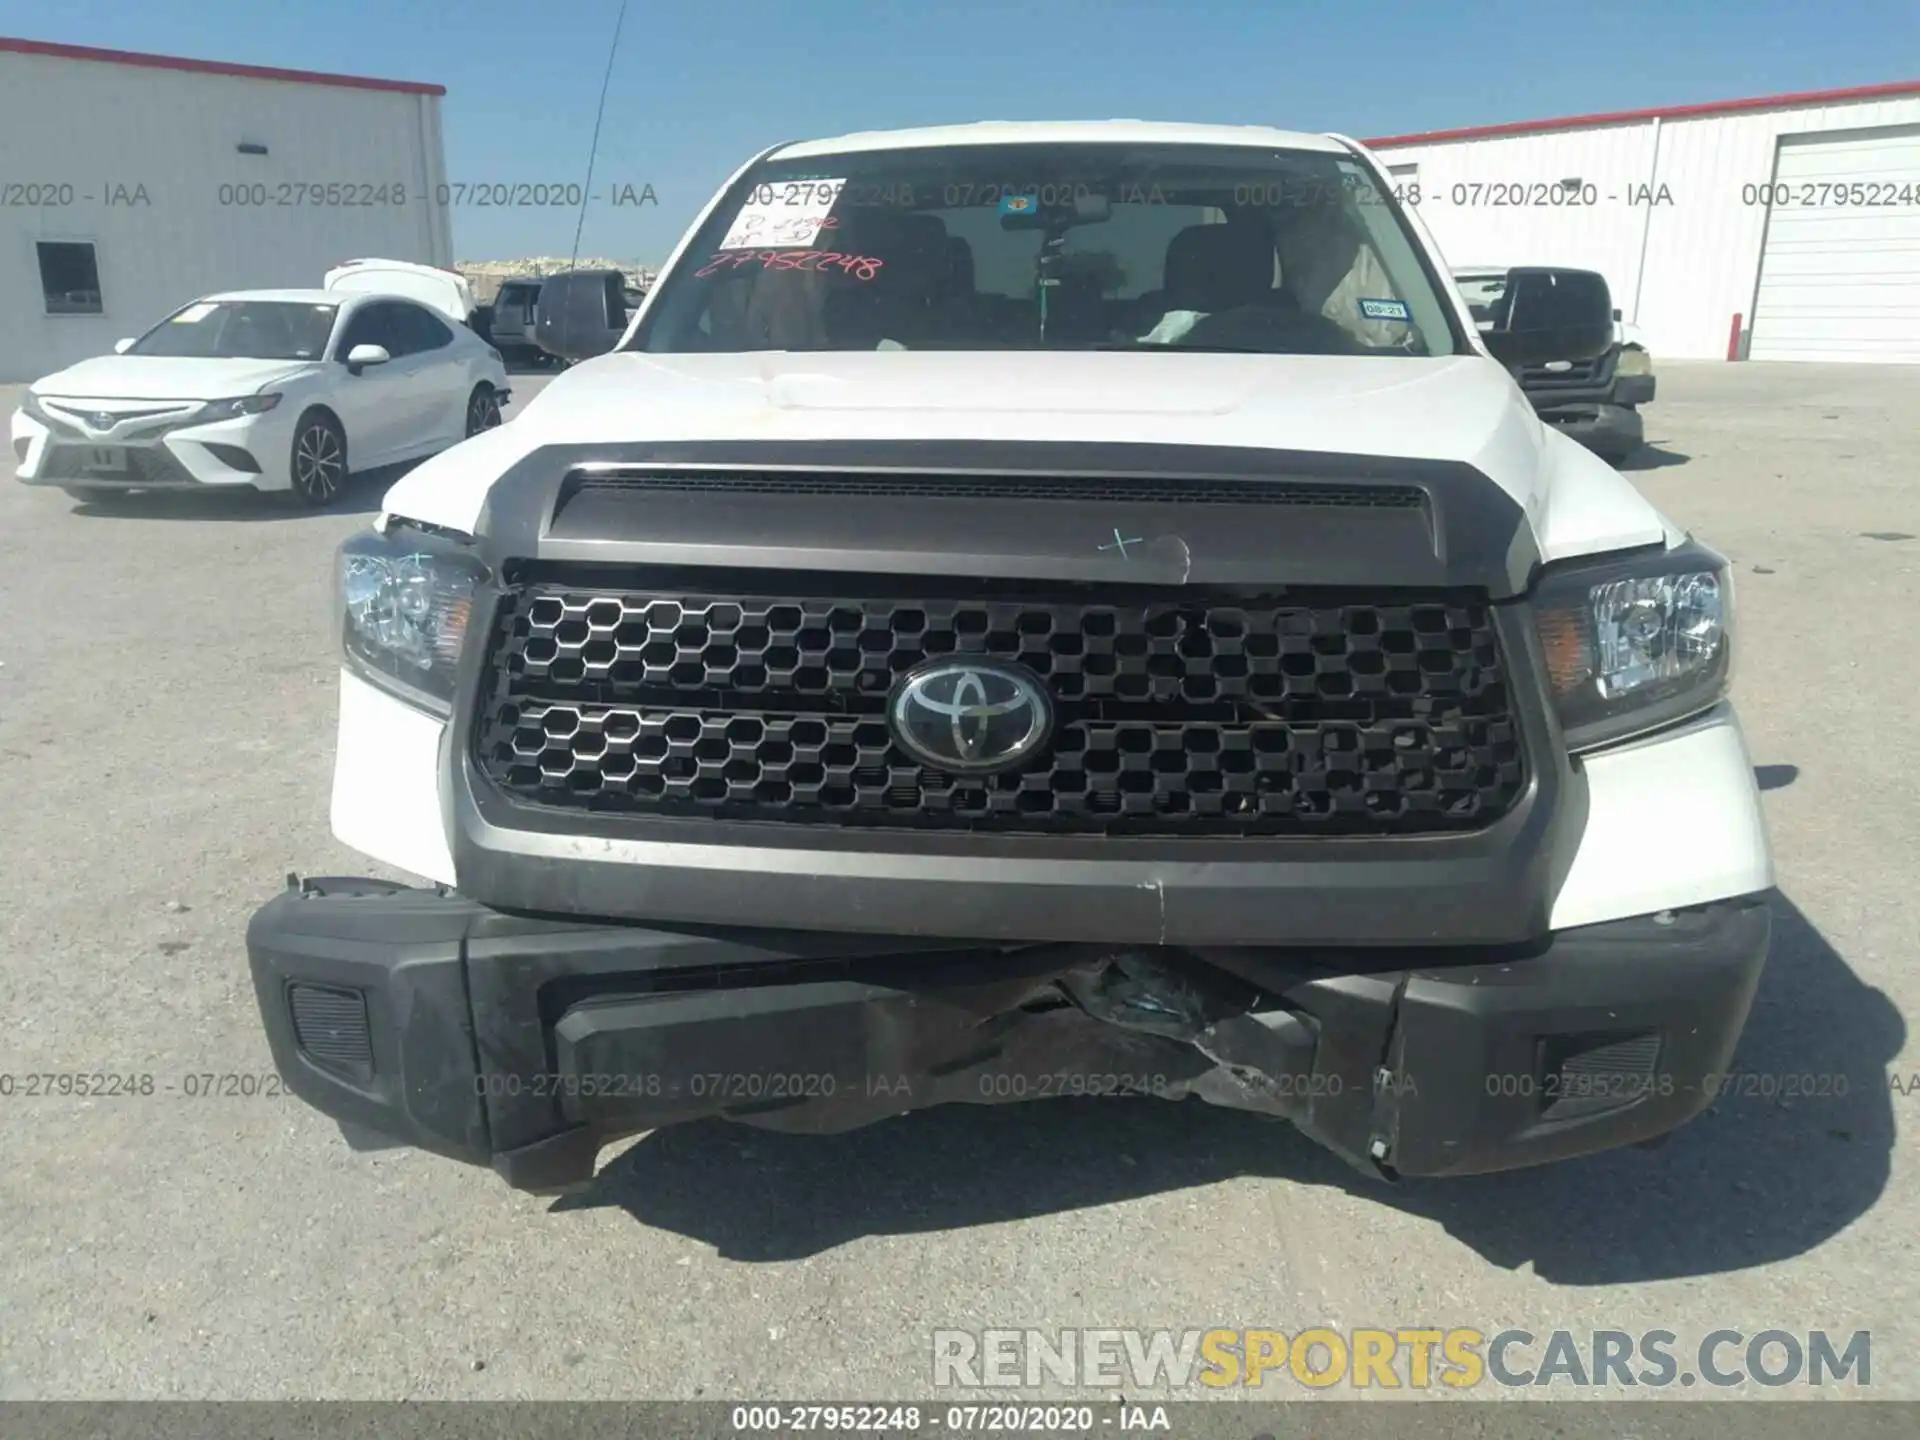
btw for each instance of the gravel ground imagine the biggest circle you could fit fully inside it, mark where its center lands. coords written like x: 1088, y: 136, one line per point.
x: 166, y: 734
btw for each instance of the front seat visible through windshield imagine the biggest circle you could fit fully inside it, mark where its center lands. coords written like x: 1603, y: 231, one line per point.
x: 1225, y: 274
x: 901, y: 304
x: 1328, y: 267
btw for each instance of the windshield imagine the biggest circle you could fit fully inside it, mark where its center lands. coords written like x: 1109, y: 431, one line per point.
x: 1483, y: 293
x: 242, y: 330
x: 1077, y: 247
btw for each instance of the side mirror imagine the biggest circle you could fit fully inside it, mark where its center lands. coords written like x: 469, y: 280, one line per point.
x: 571, y: 320
x: 120, y: 347
x: 361, y: 356
x: 1552, y: 314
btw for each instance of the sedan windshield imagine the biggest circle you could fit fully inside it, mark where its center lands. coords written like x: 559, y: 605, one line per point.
x: 1075, y: 247
x: 242, y: 330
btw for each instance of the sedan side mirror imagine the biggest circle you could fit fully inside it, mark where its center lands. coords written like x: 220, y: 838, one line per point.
x: 361, y: 356
x: 120, y: 347
x: 1553, y: 314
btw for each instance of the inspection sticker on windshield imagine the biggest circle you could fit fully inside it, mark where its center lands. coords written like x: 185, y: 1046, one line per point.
x: 1384, y: 310
x: 193, y: 314
x: 787, y: 212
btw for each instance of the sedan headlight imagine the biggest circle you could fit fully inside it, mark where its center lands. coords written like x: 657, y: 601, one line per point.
x: 30, y: 403
x: 233, y: 409
x: 1634, y: 644
x: 1634, y: 361
x: 404, y: 600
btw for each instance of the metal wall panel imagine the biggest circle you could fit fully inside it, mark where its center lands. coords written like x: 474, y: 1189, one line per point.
x: 134, y: 159
x: 1700, y: 239
x: 1840, y: 279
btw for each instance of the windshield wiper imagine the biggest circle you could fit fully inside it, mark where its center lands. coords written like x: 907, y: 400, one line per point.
x: 1204, y: 349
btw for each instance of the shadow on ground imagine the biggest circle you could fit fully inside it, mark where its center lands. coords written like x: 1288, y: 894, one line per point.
x: 1757, y: 1179
x: 1775, y: 777
x: 1652, y: 457
x: 242, y: 504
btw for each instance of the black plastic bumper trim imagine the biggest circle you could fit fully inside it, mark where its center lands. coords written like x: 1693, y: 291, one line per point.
x: 478, y: 1017
x: 1634, y: 389
x: 234, y: 457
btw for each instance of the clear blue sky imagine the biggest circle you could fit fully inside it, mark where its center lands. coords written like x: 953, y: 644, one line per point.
x: 699, y: 87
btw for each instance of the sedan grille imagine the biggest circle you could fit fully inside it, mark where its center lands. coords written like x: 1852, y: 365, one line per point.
x: 146, y: 465
x: 1231, y: 714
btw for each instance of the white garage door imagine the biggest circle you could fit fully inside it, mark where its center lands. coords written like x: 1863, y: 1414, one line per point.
x: 1840, y: 274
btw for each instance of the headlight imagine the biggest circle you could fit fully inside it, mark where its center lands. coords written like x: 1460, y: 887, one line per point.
x: 30, y: 403
x: 233, y: 409
x: 404, y: 599
x: 1635, y: 644
x: 1634, y: 361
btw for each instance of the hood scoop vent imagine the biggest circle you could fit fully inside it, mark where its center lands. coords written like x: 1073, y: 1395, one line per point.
x: 926, y: 485
x: 1128, y: 514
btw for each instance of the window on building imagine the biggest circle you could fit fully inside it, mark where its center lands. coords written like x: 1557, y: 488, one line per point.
x: 69, y: 277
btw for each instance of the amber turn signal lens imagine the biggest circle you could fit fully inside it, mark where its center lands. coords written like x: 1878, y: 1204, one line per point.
x: 1569, y: 651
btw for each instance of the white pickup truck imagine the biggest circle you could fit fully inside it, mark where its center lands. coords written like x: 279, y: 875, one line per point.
x: 1026, y: 611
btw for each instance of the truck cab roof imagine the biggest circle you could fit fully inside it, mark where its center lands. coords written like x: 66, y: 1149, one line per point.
x: 1064, y: 132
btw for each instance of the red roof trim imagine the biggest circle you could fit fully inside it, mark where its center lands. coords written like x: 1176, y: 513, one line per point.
x: 1664, y: 112
x: 213, y: 67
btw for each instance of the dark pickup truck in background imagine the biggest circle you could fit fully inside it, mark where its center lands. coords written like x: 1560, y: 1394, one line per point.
x: 583, y: 313
x: 513, y: 320
x: 1595, y: 400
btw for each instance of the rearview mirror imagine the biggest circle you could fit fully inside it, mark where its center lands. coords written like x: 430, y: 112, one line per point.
x: 120, y: 347
x: 361, y: 356
x: 1027, y: 212
x: 1552, y: 314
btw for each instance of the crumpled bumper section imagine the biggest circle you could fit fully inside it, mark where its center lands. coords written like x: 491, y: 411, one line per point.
x: 419, y: 1017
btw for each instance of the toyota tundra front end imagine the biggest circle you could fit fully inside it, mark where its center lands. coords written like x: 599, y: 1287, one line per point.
x: 1029, y: 611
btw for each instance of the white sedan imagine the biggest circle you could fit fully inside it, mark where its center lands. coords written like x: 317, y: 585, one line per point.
x: 283, y: 390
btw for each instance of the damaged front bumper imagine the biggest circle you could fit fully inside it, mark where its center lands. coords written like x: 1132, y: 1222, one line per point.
x: 527, y: 1044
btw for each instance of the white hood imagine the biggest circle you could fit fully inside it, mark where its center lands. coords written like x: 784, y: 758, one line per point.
x: 1463, y: 408
x: 164, y: 377
x: 443, y: 290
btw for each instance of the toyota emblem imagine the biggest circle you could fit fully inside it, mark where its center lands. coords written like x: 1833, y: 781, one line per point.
x: 970, y: 716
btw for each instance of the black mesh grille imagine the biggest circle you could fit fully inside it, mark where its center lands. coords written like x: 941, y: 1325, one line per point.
x: 331, y: 1027
x: 1175, y: 716
x: 151, y: 465
x: 914, y: 485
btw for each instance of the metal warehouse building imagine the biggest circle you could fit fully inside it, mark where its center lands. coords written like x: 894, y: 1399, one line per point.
x: 133, y: 183
x: 1780, y: 228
